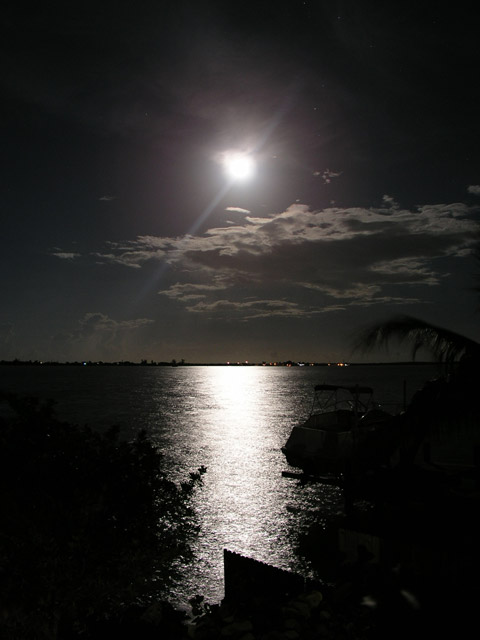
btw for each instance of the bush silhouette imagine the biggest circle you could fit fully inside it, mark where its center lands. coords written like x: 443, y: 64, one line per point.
x: 90, y: 524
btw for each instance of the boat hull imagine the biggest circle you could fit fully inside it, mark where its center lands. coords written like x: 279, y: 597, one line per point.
x: 317, y: 450
x: 321, y: 449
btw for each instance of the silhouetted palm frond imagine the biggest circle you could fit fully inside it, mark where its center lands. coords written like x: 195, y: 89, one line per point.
x: 444, y: 345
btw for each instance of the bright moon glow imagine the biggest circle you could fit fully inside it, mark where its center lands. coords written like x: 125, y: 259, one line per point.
x: 239, y: 166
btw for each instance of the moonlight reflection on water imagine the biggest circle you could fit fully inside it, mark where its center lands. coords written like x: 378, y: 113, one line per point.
x: 233, y: 420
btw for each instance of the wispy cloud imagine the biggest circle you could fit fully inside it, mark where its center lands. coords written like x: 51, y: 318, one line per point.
x: 237, y: 210
x: 343, y: 257
x: 475, y: 189
x: 7, y: 340
x: 327, y: 175
x: 190, y: 291
x: 102, y: 323
x: 98, y: 336
x: 390, y: 202
x: 249, y: 309
x: 66, y: 255
x: 107, y: 198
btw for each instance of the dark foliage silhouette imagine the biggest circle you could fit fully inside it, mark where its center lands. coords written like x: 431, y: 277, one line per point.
x: 444, y: 345
x: 90, y: 524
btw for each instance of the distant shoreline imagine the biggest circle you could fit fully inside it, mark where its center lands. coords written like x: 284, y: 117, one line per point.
x: 288, y: 363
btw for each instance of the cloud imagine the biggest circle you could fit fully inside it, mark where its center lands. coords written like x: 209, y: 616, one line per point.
x: 135, y: 253
x: 97, y: 336
x: 327, y: 175
x: 390, y: 202
x: 310, y: 261
x: 66, y: 255
x: 107, y: 198
x: 408, y: 271
x: 190, y: 291
x: 7, y: 341
x: 237, y: 210
x: 249, y: 309
x: 101, y: 323
x: 475, y: 189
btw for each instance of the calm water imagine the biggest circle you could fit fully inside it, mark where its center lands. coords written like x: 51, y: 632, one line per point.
x: 233, y: 420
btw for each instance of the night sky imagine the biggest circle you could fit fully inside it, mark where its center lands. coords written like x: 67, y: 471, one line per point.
x: 123, y: 237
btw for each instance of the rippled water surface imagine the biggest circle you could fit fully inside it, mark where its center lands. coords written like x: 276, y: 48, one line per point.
x: 234, y: 421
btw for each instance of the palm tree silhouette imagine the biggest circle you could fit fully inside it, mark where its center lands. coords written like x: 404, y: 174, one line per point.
x: 444, y: 345
x: 447, y: 404
x: 460, y: 354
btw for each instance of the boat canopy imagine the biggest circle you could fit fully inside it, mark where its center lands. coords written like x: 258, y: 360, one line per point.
x: 334, y: 387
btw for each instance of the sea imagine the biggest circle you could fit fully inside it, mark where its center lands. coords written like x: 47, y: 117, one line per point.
x: 233, y: 420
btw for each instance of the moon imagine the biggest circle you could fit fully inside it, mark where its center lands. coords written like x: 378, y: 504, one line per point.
x: 239, y: 166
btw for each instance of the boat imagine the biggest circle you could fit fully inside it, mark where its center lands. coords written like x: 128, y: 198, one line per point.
x: 346, y: 432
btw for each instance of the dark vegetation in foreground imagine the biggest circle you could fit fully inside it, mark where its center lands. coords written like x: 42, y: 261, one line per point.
x: 91, y: 527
